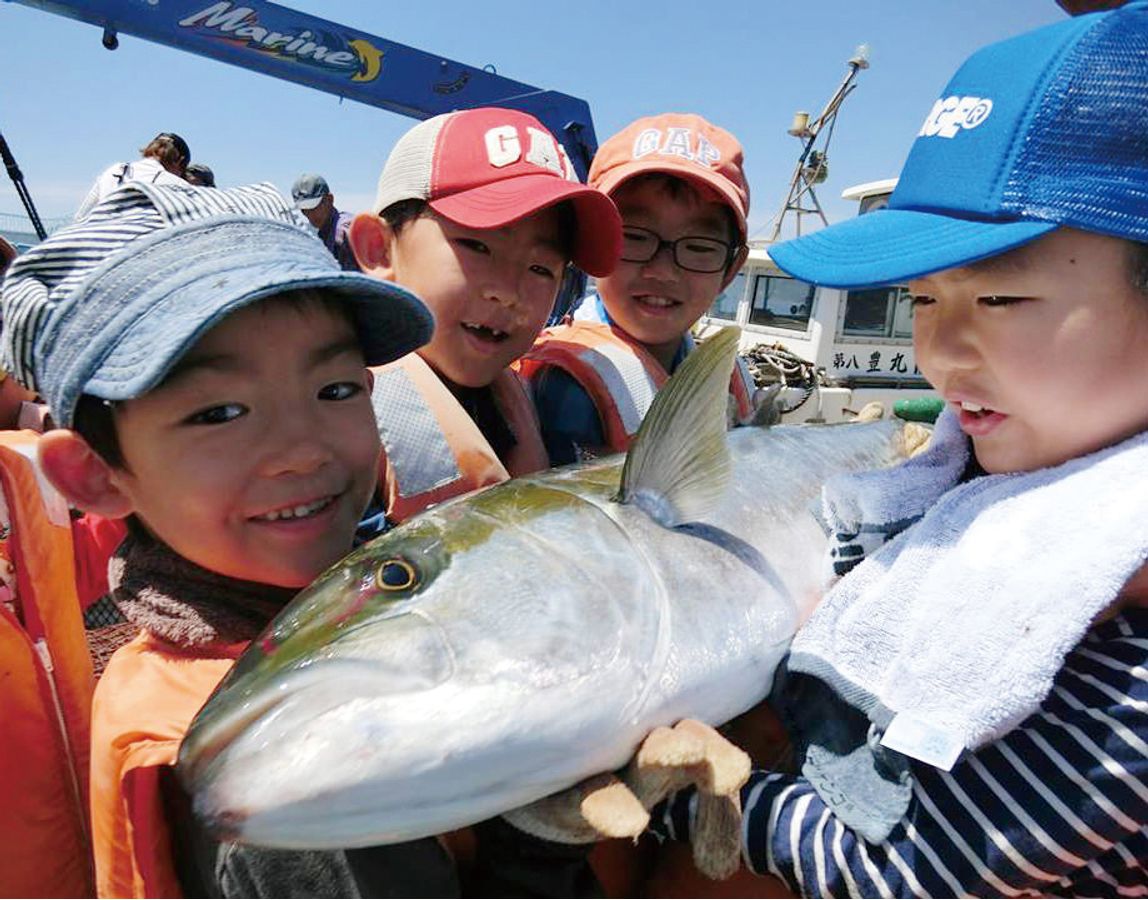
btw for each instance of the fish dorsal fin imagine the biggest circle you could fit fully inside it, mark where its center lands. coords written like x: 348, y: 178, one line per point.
x: 679, y: 465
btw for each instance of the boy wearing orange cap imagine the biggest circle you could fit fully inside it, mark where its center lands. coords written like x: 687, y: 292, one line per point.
x: 679, y: 185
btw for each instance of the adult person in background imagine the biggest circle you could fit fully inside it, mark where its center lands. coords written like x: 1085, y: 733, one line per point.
x: 163, y: 161
x: 199, y: 175
x: 313, y: 197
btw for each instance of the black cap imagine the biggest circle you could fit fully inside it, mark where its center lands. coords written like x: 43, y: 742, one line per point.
x: 180, y: 143
x: 198, y: 173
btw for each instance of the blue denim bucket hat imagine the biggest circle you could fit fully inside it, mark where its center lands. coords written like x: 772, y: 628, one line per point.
x: 107, y: 307
x: 1042, y: 130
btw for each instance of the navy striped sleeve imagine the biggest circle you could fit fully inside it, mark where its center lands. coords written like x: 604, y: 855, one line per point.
x: 1058, y: 807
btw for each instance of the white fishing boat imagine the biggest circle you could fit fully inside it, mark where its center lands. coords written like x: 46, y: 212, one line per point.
x: 835, y: 350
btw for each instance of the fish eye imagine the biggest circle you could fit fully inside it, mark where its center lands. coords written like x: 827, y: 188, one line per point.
x: 396, y: 575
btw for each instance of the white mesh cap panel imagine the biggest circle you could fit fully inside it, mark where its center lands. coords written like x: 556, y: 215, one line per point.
x: 407, y: 173
x: 417, y: 451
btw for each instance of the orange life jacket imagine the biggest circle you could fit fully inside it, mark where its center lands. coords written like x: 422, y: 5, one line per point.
x: 45, y: 688
x: 432, y: 450
x: 142, y: 708
x: 620, y: 375
x: 94, y: 540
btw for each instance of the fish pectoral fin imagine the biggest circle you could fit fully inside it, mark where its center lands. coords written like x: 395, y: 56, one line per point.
x: 717, y: 835
x: 678, y: 467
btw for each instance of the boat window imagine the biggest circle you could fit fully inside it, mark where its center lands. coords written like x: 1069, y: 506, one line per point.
x: 878, y: 312
x: 872, y: 203
x: 781, y: 302
x: 903, y: 314
x: 727, y: 302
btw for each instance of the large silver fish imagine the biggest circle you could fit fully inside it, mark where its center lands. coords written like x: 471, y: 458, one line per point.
x: 508, y: 644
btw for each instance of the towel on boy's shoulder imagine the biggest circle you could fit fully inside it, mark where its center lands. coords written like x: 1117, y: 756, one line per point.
x: 962, y: 599
x: 866, y: 509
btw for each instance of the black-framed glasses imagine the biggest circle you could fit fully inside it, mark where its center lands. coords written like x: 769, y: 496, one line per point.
x: 694, y: 254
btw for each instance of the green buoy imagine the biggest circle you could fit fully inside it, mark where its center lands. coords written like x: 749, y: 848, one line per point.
x: 919, y: 409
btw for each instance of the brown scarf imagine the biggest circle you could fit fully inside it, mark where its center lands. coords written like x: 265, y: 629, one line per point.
x: 183, y: 603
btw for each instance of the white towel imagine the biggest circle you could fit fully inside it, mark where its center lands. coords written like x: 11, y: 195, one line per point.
x: 962, y: 621
x: 866, y: 509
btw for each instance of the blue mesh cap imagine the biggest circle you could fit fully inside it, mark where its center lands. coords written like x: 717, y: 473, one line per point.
x: 106, y: 307
x: 1046, y: 129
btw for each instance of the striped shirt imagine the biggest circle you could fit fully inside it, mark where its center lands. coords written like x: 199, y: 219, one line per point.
x: 53, y: 270
x: 115, y: 176
x: 1057, y: 807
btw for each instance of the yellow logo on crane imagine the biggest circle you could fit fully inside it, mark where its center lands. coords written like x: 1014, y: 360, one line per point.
x: 370, y: 60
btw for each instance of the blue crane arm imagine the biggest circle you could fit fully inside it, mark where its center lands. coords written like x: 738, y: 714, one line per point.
x: 314, y: 52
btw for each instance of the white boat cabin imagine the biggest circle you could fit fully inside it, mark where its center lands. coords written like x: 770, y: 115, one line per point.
x: 861, y: 340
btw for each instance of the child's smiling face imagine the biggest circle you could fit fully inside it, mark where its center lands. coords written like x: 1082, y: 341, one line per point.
x: 491, y: 290
x: 256, y: 457
x: 658, y: 301
x: 1043, y: 350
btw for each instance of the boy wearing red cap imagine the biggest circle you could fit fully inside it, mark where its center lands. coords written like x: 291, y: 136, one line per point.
x: 680, y: 188
x: 479, y: 213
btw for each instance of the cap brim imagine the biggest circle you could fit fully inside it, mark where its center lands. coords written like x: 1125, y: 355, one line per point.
x: 893, y: 245
x: 308, y: 203
x: 598, y: 235
x: 205, y: 277
x: 610, y: 182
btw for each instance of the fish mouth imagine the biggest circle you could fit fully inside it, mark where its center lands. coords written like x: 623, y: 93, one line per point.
x: 424, y: 663
x: 209, y: 737
x: 222, y: 738
x: 230, y: 736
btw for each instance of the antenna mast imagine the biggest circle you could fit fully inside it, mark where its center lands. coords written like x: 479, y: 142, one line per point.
x: 813, y: 165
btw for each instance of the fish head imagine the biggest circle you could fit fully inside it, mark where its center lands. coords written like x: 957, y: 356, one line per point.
x: 353, y: 639
x: 409, y: 651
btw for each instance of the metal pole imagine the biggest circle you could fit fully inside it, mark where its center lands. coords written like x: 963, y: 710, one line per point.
x: 18, y: 179
x: 799, y: 184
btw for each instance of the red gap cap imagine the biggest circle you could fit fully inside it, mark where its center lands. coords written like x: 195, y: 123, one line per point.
x: 489, y: 167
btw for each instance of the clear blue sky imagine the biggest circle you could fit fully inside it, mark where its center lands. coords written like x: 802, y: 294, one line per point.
x: 68, y: 107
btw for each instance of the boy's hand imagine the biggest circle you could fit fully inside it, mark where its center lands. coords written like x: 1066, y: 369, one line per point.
x: 668, y: 760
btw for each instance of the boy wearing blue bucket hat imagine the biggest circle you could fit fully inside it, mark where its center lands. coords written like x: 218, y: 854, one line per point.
x: 206, y: 360
x: 969, y: 702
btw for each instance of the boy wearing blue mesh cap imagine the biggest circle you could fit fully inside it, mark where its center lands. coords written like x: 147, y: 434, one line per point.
x: 969, y: 701
x: 205, y: 357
